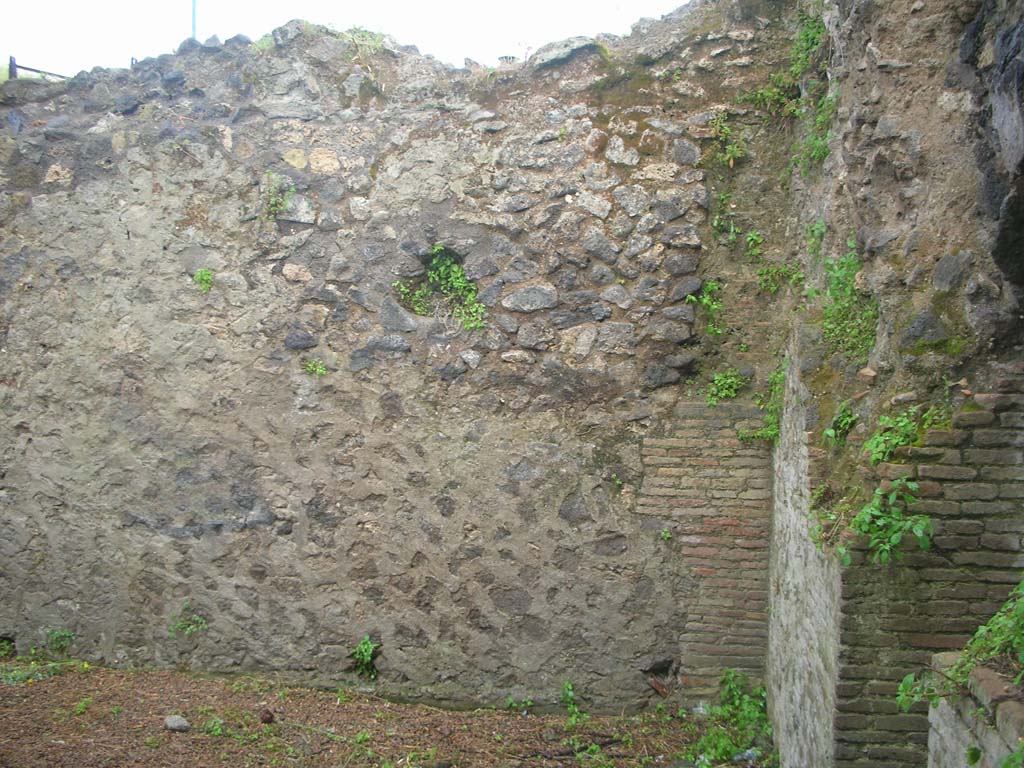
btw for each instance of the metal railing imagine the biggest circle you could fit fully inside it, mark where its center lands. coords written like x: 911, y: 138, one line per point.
x: 13, y: 67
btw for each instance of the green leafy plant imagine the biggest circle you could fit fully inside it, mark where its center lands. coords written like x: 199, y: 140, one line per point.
x: 884, y: 520
x: 724, y: 386
x: 277, y: 195
x: 203, y: 277
x: 1001, y: 637
x: 730, y: 146
x: 711, y: 304
x: 811, y: 151
x: 58, y: 641
x: 315, y: 367
x: 576, y: 716
x: 739, y: 723
x: 364, y: 41
x: 215, y: 727
x: 849, y: 315
x: 770, y: 403
x: 362, y: 657
x: 82, y: 706
x: 754, y: 242
x: 6, y: 648
x: 186, y: 622
x: 445, y: 284
x: 519, y: 705
x: 892, y: 432
x: 771, y: 277
x: 665, y: 535
x: 264, y: 44
x: 842, y: 422
x: 362, y: 737
x: 815, y: 235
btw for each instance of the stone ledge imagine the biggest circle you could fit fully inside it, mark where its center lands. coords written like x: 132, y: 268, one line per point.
x: 991, y: 691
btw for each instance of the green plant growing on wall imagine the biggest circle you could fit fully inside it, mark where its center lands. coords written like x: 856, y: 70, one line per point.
x: 203, y: 277
x: 365, y: 42
x: 315, y: 367
x: 842, y: 422
x: 737, y: 724
x: 711, y: 304
x: 815, y: 235
x: 770, y: 403
x: 186, y: 622
x: 731, y: 147
x: 277, y: 195
x: 1000, y: 638
x: 892, y: 432
x: 665, y: 535
x: 446, y: 283
x: 849, y: 315
x: 576, y: 716
x: 884, y: 520
x: 771, y: 277
x: 58, y: 641
x: 362, y: 657
x: 724, y: 386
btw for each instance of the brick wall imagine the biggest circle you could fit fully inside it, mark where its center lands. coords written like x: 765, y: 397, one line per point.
x: 894, y: 618
x: 713, y: 493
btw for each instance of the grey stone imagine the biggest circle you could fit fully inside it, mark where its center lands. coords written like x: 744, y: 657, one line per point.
x: 617, y: 338
x: 555, y: 53
x: 680, y: 235
x: 925, y: 328
x: 685, y: 152
x: 598, y: 178
x: 594, y: 205
x: 618, y: 152
x: 300, y: 338
x: 394, y: 318
x: 951, y: 269
x: 535, y: 336
x: 618, y: 296
x: 633, y: 199
x: 658, y: 375
x: 176, y: 723
x: 299, y: 209
x: 596, y: 243
x: 688, y: 286
x: 681, y: 263
x: 532, y: 298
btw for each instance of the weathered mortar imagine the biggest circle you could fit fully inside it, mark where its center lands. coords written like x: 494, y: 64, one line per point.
x: 484, y: 504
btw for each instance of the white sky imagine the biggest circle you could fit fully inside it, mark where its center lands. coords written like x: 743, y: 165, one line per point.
x: 66, y: 36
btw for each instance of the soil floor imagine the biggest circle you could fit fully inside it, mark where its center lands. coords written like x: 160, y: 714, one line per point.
x: 92, y: 717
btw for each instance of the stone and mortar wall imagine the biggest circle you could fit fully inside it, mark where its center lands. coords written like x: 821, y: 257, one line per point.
x: 484, y: 504
x: 803, y: 649
x: 985, y: 720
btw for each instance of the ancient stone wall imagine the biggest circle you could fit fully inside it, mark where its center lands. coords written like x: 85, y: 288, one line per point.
x: 303, y: 459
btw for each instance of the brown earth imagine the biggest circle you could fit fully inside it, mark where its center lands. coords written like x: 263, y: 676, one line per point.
x: 90, y: 717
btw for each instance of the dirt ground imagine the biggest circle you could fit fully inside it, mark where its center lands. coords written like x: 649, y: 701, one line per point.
x: 91, y: 717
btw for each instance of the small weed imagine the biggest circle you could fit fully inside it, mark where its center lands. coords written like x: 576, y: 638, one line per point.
x: 850, y: 316
x: 771, y: 404
x: 576, y: 715
x: 754, y: 241
x: 892, y: 432
x: 203, y: 277
x: 344, y: 697
x: 738, y: 723
x: 771, y: 277
x: 82, y: 706
x: 842, y: 422
x: 448, y: 279
x: 6, y: 648
x: 885, y: 522
x: 665, y: 535
x: 265, y: 43
x: 711, y: 305
x: 519, y: 705
x: 153, y: 742
x: 116, y: 710
x: 186, y: 622
x: 58, y: 641
x: 730, y: 147
x: 364, y: 41
x: 617, y: 481
x: 315, y: 367
x: 724, y: 386
x: 362, y: 657
x: 215, y: 727
x: 363, y: 737
x: 277, y: 194
x: 815, y: 235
